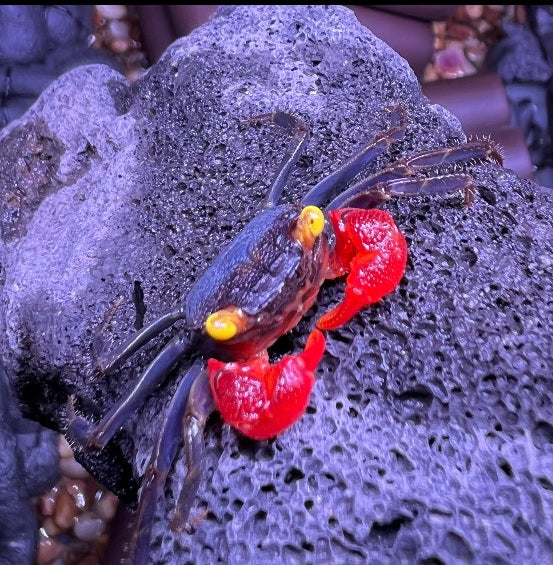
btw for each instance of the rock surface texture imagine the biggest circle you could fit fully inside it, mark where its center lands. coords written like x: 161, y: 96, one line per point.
x: 429, y: 434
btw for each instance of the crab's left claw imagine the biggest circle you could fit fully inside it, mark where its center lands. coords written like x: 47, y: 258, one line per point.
x: 261, y: 400
x: 370, y: 247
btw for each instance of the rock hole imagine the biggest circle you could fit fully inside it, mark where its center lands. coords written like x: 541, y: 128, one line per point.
x: 459, y: 547
x: 507, y: 469
x: 139, y: 306
x: 545, y: 483
x: 294, y: 474
x: 542, y: 434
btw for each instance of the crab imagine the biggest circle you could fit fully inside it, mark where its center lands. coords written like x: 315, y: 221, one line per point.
x: 257, y: 289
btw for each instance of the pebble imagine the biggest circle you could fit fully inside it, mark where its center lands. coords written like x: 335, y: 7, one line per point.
x: 65, y: 511
x: 48, y: 550
x: 461, y: 43
x: 474, y: 11
x: 119, y: 45
x: 112, y: 11
x: 64, y: 449
x: 48, y: 501
x: 61, y: 25
x: 50, y: 528
x: 23, y: 36
x: 106, y: 504
x: 29, y: 80
x: 118, y: 28
x: 77, y: 490
x: 70, y: 468
x: 88, y: 526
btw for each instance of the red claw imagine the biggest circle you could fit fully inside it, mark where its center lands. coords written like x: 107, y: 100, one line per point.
x: 369, y: 247
x: 261, y: 400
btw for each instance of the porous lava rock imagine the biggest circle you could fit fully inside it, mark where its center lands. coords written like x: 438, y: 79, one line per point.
x: 429, y: 434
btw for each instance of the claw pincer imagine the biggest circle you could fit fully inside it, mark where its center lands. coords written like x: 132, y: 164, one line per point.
x: 372, y: 251
x: 261, y: 400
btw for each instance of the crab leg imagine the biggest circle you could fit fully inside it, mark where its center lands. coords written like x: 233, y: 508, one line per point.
x: 465, y: 152
x: 261, y: 400
x: 369, y: 247
x: 119, y: 355
x: 200, y: 406
x: 374, y: 191
x: 336, y: 181
x: 163, y: 454
x: 300, y: 133
x: 96, y: 437
x: 399, y: 181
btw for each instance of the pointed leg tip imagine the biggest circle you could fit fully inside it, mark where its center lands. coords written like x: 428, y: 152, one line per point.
x: 80, y: 431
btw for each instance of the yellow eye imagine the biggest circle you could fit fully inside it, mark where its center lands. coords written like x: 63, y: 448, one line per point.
x: 312, y: 218
x: 309, y: 226
x: 225, y: 324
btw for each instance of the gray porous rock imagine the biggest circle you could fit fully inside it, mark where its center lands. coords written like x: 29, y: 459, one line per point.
x: 429, y: 434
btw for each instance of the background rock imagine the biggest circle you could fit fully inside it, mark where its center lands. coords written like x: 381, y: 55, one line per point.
x: 37, y: 44
x: 28, y: 466
x: 429, y: 435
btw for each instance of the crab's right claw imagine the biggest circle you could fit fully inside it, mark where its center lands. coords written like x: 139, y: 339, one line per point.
x: 261, y: 400
x: 370, y: 247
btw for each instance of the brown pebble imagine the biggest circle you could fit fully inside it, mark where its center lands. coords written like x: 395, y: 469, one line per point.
x: 48, y: 501
x: 106, y: 505
x: 119, y: 45
x: 48, y: 550
x: 112, y: 11
x: 49, y: 526
x: 102, y: 543
x: 65, y: 511
x: 460, y: 32
x: 474, y: 11
x: 78, y: 489
x: 88, y: 526
x: 70, y: 468
x: 119, y: 29
x: 64, y: 449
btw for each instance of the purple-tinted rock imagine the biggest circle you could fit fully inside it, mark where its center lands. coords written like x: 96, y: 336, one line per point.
x: 61, y: 25
x: 29, y: 80
x: 541, y: 17
x: 518, y: 56
x: 23, y: 36
x: 428, y: 434
x: 28, y: 467
x: 13, y: 108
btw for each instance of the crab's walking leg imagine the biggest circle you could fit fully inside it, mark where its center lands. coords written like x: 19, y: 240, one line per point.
x: 382, y: 187
x: 119, y: 355
x: 300, y: 133
x: 163, y: 454
x: 200, y: 406
x: 464, y: 152
x: 97, y: 436
x: 335, y: 182
x: 399, y: 181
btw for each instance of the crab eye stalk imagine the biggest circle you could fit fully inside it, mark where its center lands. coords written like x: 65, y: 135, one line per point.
x: 225, y: 324
x: 309, y: 226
